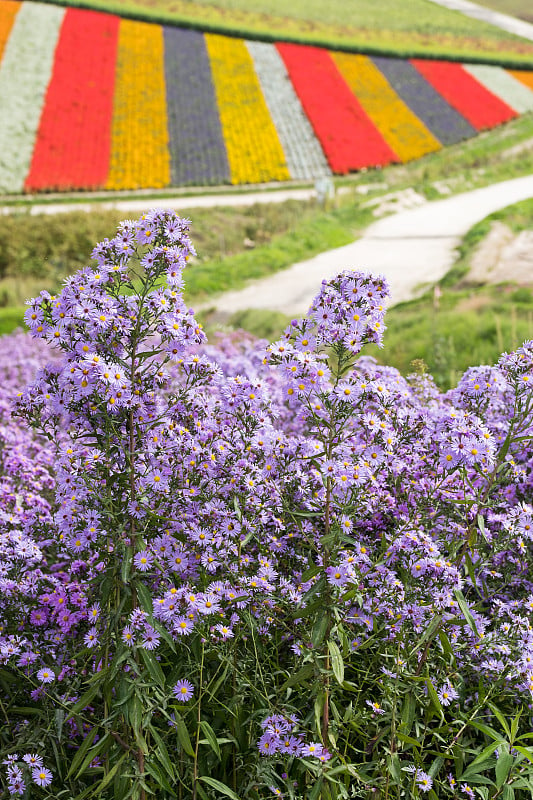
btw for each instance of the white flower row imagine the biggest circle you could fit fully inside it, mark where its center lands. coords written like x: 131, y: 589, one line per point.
x: 302, y: 149
x: 25, y: 72
x: 503, y: 85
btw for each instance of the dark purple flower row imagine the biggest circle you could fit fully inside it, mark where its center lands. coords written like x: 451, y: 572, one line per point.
x: 197, y: 149
x: 430, y: 107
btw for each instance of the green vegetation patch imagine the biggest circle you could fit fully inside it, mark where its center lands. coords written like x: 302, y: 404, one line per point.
x: 417, y: 27
x: 515, y: 8
x: 233, y: 244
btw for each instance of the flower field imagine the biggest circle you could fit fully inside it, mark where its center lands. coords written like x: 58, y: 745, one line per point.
x: 81, y: 89
x: 244, y: 570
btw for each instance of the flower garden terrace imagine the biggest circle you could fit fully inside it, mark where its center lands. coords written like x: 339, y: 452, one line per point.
x: 209, y: 550
x: 80, y: 89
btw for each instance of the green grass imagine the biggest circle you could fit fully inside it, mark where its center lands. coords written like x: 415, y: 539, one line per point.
x: 516, y: 8
x: 309, y: 236
x: 416, y: 27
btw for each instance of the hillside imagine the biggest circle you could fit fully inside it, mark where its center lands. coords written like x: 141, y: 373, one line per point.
x: 395, y: 27
x: 95, y: 101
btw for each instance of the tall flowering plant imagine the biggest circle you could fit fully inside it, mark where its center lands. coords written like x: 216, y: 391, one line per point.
x: 240, y: 572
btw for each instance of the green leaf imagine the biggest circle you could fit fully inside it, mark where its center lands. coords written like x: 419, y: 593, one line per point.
x: 317, y: 788
x: 301, y: 676
x: 135, y: 713
x: 407, y: 739
x: 501, y: 719
x: 319, y: 705
x: 59, y: 718
x: 526, y: 751
x: 125, y: 569
x: 161, y: 753
x: 84, y: 701
x: 146, y: 600
x: 110, y: 775
x: 507, y: 792
x: 152, y: 665
x: 337, y: 663
x: 408, y: 713
x: 93, y: 752
x: 434, y: 697
x: 316, y: 588
x: 503, y: 768
x: 220, y: 786
x: 487, y: 730
x: 211, y: 737
x: 446, y: 645
x: 82, y: 749
x: 482, y: 763
x: 183, y: 736
x: 393, y: 764
x: 319, y: 629
x: 428, y: 634
x: 310, y: 573
x: 514, y: 726
x: 467, y: 614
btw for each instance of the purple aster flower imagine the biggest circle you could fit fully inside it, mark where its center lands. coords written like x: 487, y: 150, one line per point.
x: 41, y: 776
x: 16, y: 786
x: 313, y: 749
x: 423, y: 780
x: 150, y: 638
x: 447, y: 693
x: 128, y: 636
x: 32, y: 759
x: 183, y: 691
x: 224, y: 631
x: 338, y: 576
x: 143, y: 560
x: 183, y: 626
x: 91, y: 637
x: 46, y: 675
x: 376, y: 708
x: 268, y: 744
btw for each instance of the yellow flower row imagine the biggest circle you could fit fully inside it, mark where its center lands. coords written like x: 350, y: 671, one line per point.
x: 401, y: 129
x: 139, y: 139
x: 255, y: 154
x: 8, y: 10
x: 524, y: 77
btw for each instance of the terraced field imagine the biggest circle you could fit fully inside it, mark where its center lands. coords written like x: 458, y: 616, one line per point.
x: 95, y: 101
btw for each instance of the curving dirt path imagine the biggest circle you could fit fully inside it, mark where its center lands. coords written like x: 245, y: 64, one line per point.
x: 413, y: 249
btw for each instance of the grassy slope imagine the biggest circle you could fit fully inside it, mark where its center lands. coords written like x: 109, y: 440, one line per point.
x: 523, y: 9
x: 416, y: 27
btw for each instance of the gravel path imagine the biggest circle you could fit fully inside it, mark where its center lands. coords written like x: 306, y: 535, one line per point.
x: 177, y: 202
x: 413, y: 249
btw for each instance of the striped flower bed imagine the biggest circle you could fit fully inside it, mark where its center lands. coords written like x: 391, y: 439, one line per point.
x: 91, y: 101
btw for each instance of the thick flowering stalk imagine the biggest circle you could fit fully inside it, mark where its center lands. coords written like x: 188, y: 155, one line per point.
x: 103, y: 396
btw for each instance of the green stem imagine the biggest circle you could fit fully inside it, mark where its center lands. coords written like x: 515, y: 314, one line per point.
x: 198, y: 720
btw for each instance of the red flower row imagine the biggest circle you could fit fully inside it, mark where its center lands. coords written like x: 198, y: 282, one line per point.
x: 348, y: 137
x: 470, y: 98
x: 74, y: 139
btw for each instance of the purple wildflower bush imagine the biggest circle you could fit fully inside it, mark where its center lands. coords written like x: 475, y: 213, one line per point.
x: 247, y: 571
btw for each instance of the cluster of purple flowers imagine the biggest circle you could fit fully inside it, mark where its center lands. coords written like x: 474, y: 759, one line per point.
x: 226, y: 488
x: 19, y: 770
x: 281, y: 736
